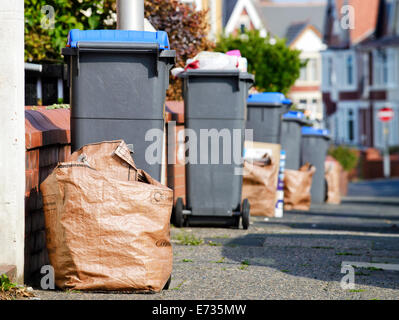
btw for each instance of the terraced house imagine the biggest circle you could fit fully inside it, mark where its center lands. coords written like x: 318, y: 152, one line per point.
x: 360, y: 70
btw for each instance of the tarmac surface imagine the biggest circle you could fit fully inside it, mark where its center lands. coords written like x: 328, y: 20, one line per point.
x: 299, y: 256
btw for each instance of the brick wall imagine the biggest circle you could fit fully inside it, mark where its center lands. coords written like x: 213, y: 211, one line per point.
x: 47, y: 136
x: 371, y: 164
x: 176, y: 177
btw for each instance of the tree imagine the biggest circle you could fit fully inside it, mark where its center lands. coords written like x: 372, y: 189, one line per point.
x: 275, y: 66
x: 187, y: 31
x: 187, y: 28
x: 43, y: 41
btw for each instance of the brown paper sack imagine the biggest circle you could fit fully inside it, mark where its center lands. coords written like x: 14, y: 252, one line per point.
x: 260, y: 186
x: 107, y: 223
x: 332, y: 174
x: 297, y: 185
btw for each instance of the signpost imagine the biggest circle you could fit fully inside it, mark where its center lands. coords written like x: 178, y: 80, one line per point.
x: 385, y: 115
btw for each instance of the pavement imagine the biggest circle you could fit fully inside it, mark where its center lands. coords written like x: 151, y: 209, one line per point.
x: 298, y: 256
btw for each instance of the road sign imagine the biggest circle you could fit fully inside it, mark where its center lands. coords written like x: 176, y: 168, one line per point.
x: 385, y: 114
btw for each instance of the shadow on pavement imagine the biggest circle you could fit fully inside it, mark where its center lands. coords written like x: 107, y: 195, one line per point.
x: 317, y: 256
x: 382, y: 228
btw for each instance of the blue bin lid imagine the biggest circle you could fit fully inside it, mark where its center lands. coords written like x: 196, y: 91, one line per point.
x: 294, y: 115
x: 271, y: 98
x: 310, y: 131
x: 160, y: 37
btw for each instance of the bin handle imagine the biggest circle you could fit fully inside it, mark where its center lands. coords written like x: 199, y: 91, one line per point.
x: 214, y: 73
x: 125, y: 47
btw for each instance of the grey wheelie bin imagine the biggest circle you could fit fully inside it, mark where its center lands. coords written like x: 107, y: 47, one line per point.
x: 291, y: 137
x: 215, y: 113
x: 264, y: 115
x: 315, y: 143
x: 118, y: 81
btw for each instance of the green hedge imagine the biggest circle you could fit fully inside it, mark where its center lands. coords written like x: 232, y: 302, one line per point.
x: 346, y: 156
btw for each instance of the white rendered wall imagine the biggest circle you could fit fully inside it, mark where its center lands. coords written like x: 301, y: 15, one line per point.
x: 12, y: 135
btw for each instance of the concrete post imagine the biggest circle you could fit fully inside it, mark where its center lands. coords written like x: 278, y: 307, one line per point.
x: 130, y: 14
x: 12, y: 137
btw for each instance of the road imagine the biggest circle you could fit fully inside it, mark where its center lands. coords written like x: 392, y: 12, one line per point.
x: 296, y: 257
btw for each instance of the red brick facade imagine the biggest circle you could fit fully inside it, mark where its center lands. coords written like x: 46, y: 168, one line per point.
x: 47, y: 141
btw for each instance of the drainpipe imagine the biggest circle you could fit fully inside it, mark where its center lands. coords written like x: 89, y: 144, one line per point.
x: 12, y: 139
x: 130, y: 14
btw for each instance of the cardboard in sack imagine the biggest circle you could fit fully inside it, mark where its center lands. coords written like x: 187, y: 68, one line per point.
x: 333, y: 171
x: 107, y: 222
x: 297, y: 185
x: 260, y: 177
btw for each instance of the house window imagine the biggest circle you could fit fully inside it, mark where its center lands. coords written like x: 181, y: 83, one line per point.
x: 310, y: 72
x: 328, y: 71
x: 347, y: 126
x: 351, y: 126
x: 313, y: 70
x: 242, y: 28
x: 384, y: 67
x: 349, y: 70
x: 303, y: 74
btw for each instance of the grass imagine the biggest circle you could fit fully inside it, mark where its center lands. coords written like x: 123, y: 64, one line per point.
x: 179, y: 286
x: 346, y: 254
x: 360, y: 273
x: 188, y: 239
x: 72, y: 291
x: 322, y: 247
x: 222, y: 237
x: 285, y: 270
x: 244, y: 264
x: 187, y: 260
x: 374, y: 269
x: 11, y: 291
x: 58, y: 106
x: 221, y: 260
x: 6, y: 284
x: 357, y: 290
x: 214, y: 244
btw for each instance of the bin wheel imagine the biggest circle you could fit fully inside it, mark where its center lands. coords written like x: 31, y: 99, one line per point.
x: 325, y: 190
x: 245, y: 214
x: 236, y: 222
x: 179, y: 218
x: 167, y: 284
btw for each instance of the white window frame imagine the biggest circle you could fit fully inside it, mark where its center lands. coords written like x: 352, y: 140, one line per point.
x: 326, y: 77
x: 392, y: 73
x: 342, y: 120
x: 343, y: 71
